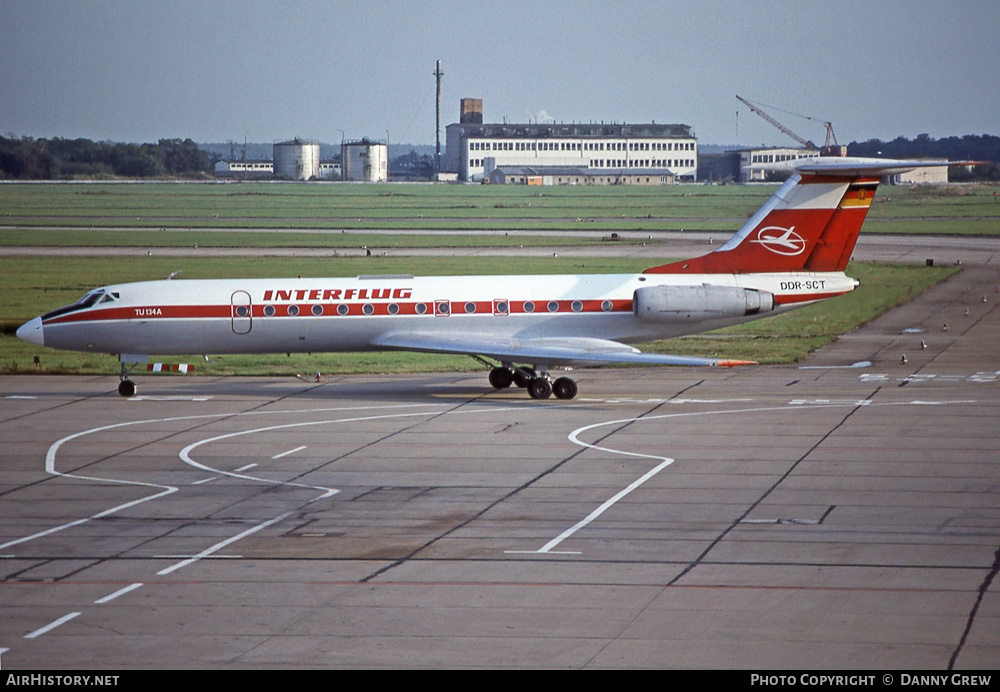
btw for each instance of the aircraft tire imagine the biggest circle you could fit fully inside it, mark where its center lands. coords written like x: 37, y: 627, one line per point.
x: 564, y: 388
x: 523, y: 376
x: 126, y: 388
x: 539, y: 388
x: 501, y: 378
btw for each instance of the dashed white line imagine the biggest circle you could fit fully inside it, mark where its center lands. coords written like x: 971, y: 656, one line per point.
x: 185, y: 454
x: 290, y: 451
x: 51, y: 626
x: 119, y: 592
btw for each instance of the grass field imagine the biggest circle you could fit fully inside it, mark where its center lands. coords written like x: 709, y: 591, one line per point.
x: 199, y: 209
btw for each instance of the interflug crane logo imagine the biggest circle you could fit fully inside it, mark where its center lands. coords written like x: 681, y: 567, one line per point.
x: 781, y: 241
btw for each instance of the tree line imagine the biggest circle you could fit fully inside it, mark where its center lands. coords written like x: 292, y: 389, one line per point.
x: 968, y: 148
x: 26, y: 158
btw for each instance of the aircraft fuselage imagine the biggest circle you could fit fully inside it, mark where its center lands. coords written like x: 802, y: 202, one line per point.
x: 351, y: 314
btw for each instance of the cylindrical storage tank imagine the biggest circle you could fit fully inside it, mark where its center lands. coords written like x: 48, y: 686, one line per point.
x: 365, y: 161
x: 297, y: 159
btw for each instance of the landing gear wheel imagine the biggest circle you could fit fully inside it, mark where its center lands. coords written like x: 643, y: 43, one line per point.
x: 539, y: 388
x: 564, y: 388
x: 523, y: 377
x: 501, y: 378
x: 126, y: 388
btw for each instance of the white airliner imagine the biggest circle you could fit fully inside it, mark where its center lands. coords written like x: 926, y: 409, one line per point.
x: 792, y: 252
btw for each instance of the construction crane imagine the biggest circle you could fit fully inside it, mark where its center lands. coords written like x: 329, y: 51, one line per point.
x: 829, y: 148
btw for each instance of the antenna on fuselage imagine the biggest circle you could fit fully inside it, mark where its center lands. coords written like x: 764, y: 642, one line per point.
x: 171, y: 275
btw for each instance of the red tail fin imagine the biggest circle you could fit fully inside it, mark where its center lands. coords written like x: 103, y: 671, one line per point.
x: 810, y: 224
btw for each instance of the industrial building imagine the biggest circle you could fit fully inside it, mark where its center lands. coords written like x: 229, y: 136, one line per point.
x: 666, y: 150
x: 330, y: 170
x: 758, y: 164
x: 254, y: 170
x: 295, y: 159
x: 365, y: 161
x: 570, y: 175
x: 932, y: 175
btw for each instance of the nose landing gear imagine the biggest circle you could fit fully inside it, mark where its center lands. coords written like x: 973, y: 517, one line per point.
x: 126, y: 387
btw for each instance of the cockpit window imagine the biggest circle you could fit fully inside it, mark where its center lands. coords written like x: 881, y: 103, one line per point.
x: 92, y: 298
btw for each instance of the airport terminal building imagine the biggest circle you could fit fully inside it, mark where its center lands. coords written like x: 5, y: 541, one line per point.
x: 663, y: 150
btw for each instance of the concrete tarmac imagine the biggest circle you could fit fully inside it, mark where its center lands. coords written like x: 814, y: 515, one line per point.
x: 840, y: 514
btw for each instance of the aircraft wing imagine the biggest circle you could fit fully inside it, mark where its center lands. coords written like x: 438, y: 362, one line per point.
x: 550, y: 351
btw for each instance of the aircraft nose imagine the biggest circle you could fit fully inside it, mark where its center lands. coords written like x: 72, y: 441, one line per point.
x: 31, y: 331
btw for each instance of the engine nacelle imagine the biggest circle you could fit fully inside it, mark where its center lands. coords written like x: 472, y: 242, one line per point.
x: 699, y: 303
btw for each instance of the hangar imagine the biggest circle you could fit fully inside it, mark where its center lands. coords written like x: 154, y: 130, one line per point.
x: 611, y: 147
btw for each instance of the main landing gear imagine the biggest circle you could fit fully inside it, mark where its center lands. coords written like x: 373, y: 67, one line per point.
x: 539, y: 386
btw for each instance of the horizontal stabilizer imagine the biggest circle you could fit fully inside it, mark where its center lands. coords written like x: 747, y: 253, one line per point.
x: 856, y: 166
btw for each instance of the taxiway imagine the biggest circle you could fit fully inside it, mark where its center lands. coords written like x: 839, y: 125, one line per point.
x: 844, y: 513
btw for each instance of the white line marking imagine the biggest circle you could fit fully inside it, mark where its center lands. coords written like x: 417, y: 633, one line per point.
x: 622, y: 400
x: 119, y: 592
x: 547, y: 552
x: 859, y: 364
x: 50, y: 461
x: 51, y: 626
x: 666, y: 461
x: 290, y: 451
x: 222, y: 544
x: 185, y: 454
x: 204, y: 557
x: 204, y: 480
x: 245, y: 468
x: 50, y: 468
x: 608, y: 503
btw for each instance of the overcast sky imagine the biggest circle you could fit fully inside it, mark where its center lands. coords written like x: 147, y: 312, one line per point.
x: 218, y: 70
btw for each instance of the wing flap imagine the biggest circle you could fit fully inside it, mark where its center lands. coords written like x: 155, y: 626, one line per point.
x: 551, y: 351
